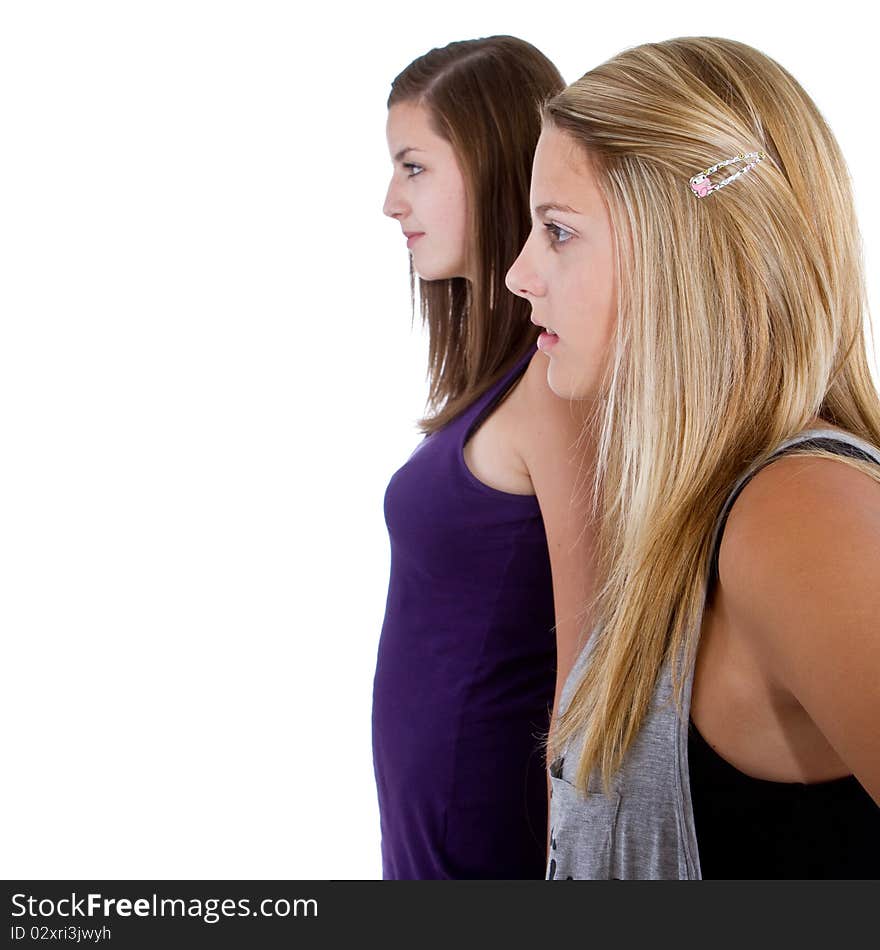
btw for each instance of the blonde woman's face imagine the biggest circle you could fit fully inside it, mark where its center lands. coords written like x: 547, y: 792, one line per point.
x: 426, y: 195
x: 566, y: 267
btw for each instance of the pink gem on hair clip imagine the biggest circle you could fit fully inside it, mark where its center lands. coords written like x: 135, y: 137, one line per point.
x: 700, y: 184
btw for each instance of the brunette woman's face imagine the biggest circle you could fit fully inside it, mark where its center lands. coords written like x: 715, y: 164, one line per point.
x: 427, y: 194
x: 566, y: 267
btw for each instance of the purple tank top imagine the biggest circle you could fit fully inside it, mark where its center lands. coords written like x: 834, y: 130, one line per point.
x: 466, y: 668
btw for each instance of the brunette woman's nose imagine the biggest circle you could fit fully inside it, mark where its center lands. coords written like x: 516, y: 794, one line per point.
x: 394, y: 205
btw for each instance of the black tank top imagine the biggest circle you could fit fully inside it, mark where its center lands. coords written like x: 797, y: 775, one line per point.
x: 750, y: 828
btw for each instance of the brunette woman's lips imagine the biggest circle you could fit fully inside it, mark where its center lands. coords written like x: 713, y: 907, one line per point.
x: 412, y: 238
x: 546, y: 341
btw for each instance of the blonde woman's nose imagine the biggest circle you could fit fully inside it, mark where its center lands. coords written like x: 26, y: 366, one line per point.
x: 521, y: 279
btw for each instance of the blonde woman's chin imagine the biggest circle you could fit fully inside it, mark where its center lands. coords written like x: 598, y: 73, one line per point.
x: 569, y: 383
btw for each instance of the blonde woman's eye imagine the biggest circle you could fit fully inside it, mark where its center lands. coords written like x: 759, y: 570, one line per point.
x: 558, y: 235
x: 413, y: 166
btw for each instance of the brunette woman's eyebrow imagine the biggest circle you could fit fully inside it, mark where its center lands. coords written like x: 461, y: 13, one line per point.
x: 403, y: 152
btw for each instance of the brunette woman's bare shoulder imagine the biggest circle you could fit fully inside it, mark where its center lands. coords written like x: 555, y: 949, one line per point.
x: 548, y: 430
x: 544, y: 410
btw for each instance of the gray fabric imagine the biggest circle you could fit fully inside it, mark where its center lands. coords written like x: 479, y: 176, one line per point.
x: 645, y: 828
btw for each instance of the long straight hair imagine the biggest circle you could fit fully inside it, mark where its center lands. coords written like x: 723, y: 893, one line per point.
x: 741, y: 316
x: 484, y: 96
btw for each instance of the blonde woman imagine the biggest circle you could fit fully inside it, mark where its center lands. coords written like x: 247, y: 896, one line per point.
x: 694, y: 247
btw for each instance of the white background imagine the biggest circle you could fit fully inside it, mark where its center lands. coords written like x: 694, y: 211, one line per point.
x: 207, y: 376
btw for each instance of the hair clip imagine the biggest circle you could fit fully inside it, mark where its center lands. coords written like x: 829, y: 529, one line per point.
x: 700, y: 184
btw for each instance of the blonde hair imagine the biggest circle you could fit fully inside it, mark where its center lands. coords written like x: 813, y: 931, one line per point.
x: 741, y: 317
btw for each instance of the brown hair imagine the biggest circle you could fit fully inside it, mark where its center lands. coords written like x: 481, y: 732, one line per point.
x: 484, y: 97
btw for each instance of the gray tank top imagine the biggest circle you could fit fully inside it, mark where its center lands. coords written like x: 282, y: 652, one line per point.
x: 644, y: 829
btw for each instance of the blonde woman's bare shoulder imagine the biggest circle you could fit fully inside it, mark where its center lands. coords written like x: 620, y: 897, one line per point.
x: 797, y: 505
x: 815, y: 492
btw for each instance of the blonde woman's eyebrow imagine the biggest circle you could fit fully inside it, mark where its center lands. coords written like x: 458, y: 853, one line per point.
x: 565, y: 209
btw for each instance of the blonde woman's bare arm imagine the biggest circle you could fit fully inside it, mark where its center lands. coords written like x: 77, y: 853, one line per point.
x: 801, y: 568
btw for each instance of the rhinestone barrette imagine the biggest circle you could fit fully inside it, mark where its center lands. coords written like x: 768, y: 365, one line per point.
x: 700, y: 184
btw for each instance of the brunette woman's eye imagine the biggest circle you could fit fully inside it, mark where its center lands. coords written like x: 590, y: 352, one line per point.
x: 412, y: 165
x: 558, y: 235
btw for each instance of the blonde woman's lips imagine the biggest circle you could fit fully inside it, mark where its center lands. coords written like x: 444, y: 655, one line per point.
x: 547, y: 340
